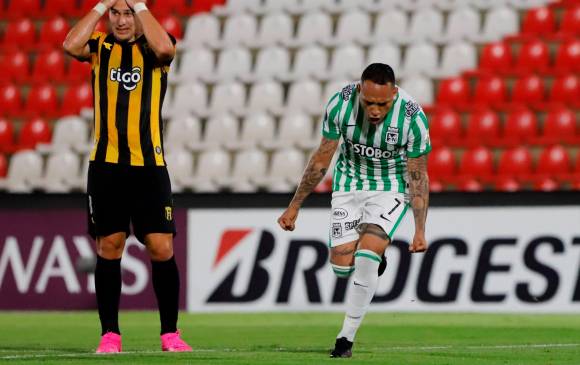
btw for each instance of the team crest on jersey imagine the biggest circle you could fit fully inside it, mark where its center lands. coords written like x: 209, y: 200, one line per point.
x: 346, y: 92
x: 392, y: 135
x: 411, y: 108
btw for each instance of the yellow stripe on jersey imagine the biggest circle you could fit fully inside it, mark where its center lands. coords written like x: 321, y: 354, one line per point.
x: 134, y: 117
x: 112, y: 93
x: 97, y: 92
x: 155, y: 131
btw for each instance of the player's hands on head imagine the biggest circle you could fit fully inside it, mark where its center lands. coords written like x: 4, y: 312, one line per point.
x: 288, y: 218
x: 419, y: 244
x: 108, y: 3
x: 131, y: 3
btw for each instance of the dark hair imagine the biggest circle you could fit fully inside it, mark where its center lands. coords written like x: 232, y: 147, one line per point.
x: 379, y: 73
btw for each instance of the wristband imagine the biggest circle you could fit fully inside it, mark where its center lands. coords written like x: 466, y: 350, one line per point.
x: 100, y: 8
x: 139, y: 7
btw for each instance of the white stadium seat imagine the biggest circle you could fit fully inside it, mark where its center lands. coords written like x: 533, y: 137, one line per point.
x: 275, y: 6
x: 70, y: 132
x: 420, y: 87
x: 332, y: 88
x: 391, y: 26
x: 271, y: 62
x: 499, y: 22
x: 180, y: 168
x: 219, y: 131
x: 189, y: 98
x: 457, y: 57
x: 233, y: 63
x: 295, y: 130
x: 417, y: 5
x: 257, y: 128
x: 194, y: 63
x: 200, y: 30
x: 239, y: 30
x: 353, y: 27
x: 462, y: 24
x: 264, y: 96
x: 303, y: 96
x: 228, y: 97
x: 309, y: 62
x: 62, y: 173
x: 309, y: 6
x: 315, y: 27
x: 275, y: 29
x: 346, y: 62
x: 232, y: 7
x: 386, y: 53
x: 24, y: 170
x: 182, y: 132
x: 420, y: 58
x: 285, y: 170
x: 248, y: 166
x: 426, y: 24
x: 212, y: 166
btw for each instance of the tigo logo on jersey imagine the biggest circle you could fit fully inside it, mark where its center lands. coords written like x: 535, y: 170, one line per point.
x: 129, y: 80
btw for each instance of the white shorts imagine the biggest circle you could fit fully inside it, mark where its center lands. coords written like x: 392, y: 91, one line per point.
x: 349, y: 209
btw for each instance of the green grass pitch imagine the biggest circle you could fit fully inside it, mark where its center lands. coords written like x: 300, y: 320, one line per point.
x: 297, y: 338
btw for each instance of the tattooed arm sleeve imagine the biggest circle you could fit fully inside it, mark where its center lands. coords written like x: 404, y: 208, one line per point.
x: 419, y: 190
x: 315, y: 171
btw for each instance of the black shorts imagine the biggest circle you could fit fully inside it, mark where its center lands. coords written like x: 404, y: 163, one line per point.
x: 120, y: 195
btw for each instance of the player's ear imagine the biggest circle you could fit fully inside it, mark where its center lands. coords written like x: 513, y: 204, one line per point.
x: 358, y: 87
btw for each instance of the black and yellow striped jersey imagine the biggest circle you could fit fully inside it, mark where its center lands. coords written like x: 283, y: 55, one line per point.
x: 129, y: 85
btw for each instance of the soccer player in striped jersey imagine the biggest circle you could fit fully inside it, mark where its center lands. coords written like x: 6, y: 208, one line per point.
x: 380, y: 171
x: 128, y: 182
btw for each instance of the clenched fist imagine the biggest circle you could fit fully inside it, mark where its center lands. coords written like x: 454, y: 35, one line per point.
x: 288, y: 218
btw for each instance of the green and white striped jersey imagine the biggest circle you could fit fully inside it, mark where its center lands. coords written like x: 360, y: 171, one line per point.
x: 374, y: 157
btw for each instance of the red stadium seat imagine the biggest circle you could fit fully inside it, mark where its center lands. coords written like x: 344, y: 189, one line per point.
x: 568, y: 56
x: 3, y: 165
x: 17, y: 66
x: 34, y: 131
x: 53, y: 8
x: 445, y: 127
x: 546, y: 184
x: 76, y: 98
x: 86, y: 6
x: 477, y: 162
x: 78, y: 71
x: 515, y: 163
x: 566, y: 90
x: 521, y: 126
x: 529, y: 90
x: 490, y: 91
x: 554, y: 161
x: 42, y: 100
x: 53, y: 32
x: 453, y: 92
x: 441, y: 164
x: 102, y: 26
x: 49, y: 66
x: 539, y: 21
x: 470, y: 185
x: 6, y: 135
x: 483, y: 127
x: 10, y: 100
x: 496, y: 57
x: 507, y: 184
x: 167, y: 7
x: 533, y: 57
x: 20, y: 34
x: 19, y: 8
x: 571, y: 21
x: 172, y: 25
x: 435, y: 186
x: 560, y: 127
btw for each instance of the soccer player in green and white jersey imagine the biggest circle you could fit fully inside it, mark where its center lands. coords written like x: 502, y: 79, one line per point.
x: 381, y: 169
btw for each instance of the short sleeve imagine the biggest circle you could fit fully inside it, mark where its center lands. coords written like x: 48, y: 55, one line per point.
x: 419, y: 142
x: 331, y: 121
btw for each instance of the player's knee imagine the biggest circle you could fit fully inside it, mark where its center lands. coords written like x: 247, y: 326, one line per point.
x: 160, y: 250
x: 111, y: 247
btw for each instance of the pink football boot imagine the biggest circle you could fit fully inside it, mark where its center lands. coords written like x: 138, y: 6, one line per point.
x: 110, y: 343
x: 172, y: 342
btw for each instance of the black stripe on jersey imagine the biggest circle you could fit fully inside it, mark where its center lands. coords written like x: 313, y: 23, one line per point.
x: 145, y: 120
x: 122, y: 112
x: 162, y: 97
x: 104, y: 100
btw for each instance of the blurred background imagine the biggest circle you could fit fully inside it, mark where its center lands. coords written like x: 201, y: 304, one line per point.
x: 498, y: 79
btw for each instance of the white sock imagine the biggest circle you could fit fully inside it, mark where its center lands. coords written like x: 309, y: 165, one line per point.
x: 363, y: 286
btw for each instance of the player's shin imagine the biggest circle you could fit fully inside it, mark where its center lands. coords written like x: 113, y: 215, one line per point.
x: 361, y: 291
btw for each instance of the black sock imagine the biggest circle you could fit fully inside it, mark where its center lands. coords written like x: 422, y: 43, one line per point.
x: 166, y: 286
x: 108, y: 290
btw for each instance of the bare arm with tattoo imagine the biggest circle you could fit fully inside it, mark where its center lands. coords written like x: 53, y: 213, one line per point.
x: 419, y: 195
x: 315, y: 171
